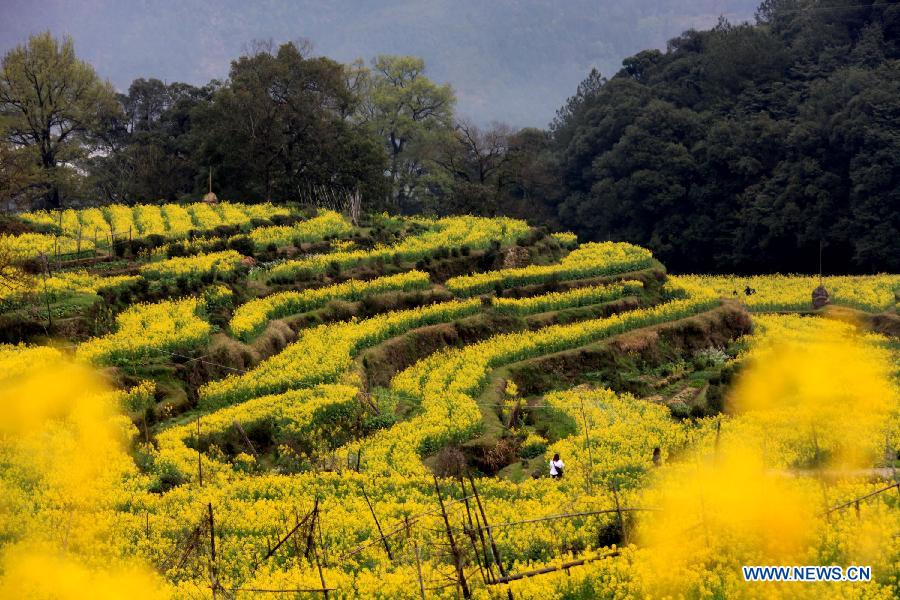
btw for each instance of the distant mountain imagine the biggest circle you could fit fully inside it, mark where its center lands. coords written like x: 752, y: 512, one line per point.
x: 509, y: 60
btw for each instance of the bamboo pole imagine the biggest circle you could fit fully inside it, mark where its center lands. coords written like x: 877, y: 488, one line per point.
x: 387, y: 547
x: 418, y: 558
x: 199, y: 456
x: 213, y: 576
x: 246, y: 438
x: 457, y: 558
x: 494, y: 550
x: 470, y: 532
x: 545, y: 570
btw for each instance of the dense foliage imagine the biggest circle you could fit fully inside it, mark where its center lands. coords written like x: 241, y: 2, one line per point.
x: 743, y: 147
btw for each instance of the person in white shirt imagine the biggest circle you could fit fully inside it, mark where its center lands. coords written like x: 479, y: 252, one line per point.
x: 556, y: 467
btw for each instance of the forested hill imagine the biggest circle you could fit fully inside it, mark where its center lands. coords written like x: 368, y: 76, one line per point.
x: 742, y: 147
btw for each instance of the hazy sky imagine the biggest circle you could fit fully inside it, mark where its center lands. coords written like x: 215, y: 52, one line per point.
x: 509, y: 60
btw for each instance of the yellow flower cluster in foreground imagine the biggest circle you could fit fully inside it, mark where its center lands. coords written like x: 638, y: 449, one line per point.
x: 251, y: 317
x: 588, y: 260
x: 770, y: 293
x: 148, y: 330
x: 451, y: 232
x: 20, y: 358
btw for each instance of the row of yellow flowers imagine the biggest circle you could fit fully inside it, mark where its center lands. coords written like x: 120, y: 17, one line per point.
x: 327, y: 223
x: 451, y: 232
x: 60, y: 285
x: 217, y: 264
x: 251, y: 317
x: 146, y: 331
x: 81, y: 227
x: 325, y: 352
x: 446, y: 383
x: 169, y: 220
x: 290, y: 414
x: 769, y: 293
x: 588, y: 260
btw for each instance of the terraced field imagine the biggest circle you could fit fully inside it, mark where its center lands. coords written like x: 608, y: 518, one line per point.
x: 322, y: 409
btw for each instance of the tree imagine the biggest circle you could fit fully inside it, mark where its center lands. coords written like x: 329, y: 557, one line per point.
x: 743, y: 148
x: 19, y: 174
x: 408, y: 112
x: 53, y: 102
x: 280, y: 127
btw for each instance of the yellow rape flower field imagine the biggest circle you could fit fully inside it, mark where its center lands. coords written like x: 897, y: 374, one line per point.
x: 299, y: 406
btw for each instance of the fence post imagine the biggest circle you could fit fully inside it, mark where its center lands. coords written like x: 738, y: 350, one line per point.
x: 621, y: 519
x: 471, y: 532
x: 246, y: 438
x: 387, y: 547
x: 45, y: 271
x: 199, y: 455
x: 457, y: 558
x: 212, y: 552
x: 487, y: 527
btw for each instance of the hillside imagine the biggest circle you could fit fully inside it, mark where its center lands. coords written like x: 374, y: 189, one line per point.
x: 746, y: 147
x: 288, y: 402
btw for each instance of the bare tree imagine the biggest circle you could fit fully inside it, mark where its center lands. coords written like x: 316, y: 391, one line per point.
x: 485, y: 149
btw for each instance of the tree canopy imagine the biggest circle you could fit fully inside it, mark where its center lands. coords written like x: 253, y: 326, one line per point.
x: 51, y: 104
x: 745, y: 147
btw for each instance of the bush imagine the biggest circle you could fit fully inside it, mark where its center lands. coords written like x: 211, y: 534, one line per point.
x: 154, y: 240
x: 137, y: 246
x: 334, y: 269
x: 242, y: 244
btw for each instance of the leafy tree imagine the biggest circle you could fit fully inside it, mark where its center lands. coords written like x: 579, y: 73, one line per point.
x: 745, y: 147
x: 280, y: 127
x: 409, y: 113
x: 54, y: 103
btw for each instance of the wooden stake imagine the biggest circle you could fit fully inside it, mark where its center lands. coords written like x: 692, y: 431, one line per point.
x: 44, y: 273
x: 490, y: 533
x: 457, y: 558
x: 621, y: 520
x: 418, y: 558
x: 199, y: 456
x: 387, y: 547
x: 246, y: 438
x: 213, y: 578
x: 309, y: 536
x: 471, y: 532
x: 316, y: 551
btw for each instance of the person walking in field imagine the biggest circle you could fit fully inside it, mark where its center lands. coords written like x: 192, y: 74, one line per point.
x: 556, y: 467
